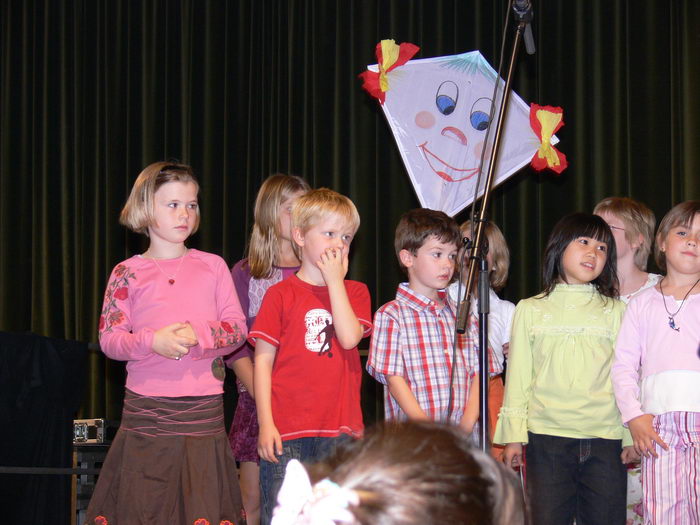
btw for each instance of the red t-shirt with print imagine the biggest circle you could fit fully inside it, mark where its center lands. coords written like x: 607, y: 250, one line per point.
x: 315, y: 382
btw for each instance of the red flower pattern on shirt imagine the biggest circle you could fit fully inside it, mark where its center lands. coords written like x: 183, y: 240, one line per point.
x: 117, y: 290
x: 225, y: 335
x: 122, y: 293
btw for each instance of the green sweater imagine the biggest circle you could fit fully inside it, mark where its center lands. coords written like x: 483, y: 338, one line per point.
x: 558, y: 380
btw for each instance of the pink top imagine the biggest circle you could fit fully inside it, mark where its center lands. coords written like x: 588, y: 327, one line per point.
x: 139, y: 300
x: 656, y: 368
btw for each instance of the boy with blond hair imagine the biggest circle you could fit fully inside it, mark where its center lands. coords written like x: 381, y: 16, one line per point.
x: 411, y: 351
x: 307, y: 367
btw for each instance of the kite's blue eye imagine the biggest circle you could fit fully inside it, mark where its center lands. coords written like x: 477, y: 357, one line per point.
x: 479, y: 114
x: 479, y: 120
x: 446, y: 97
x: 445, y: 104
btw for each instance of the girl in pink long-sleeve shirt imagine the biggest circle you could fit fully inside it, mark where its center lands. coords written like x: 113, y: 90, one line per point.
x: 171, y: 313
x: 657, y: 371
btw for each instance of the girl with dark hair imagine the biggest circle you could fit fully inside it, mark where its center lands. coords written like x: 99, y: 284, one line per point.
x: 559, y: 399
x: 586, y: 232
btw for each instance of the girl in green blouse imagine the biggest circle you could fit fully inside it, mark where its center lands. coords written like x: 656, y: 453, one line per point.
x: 559, y: 399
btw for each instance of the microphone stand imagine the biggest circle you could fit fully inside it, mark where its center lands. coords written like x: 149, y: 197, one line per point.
x: 478, y: 250
x: 484, y: 287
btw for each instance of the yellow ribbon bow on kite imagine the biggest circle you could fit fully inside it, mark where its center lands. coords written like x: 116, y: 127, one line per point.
x: 389, y: 56
x: 546, y: 121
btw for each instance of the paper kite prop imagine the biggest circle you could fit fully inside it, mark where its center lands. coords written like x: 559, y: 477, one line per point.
x: 438, y: 110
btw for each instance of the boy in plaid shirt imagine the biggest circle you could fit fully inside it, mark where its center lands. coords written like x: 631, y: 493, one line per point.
x: 411, y: 350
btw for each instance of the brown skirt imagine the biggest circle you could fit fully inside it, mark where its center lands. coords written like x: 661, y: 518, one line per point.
x: 170, y: 463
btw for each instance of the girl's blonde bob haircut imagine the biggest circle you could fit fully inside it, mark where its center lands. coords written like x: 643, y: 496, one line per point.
x: 263, y: 247
x: 638, y: 220
x: 682, y: 214
x: 138, y: 212
x: 498, y: 248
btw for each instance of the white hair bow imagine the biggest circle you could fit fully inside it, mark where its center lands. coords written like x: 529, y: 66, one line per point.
x: 298, y: 503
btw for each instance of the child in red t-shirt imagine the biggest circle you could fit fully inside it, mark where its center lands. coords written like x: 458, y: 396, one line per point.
x: 307, y: 367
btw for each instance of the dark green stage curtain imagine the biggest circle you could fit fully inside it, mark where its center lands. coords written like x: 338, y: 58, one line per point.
x: 91, y: 91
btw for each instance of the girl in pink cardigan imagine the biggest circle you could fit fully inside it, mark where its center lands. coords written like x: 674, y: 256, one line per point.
x: 657, y: 370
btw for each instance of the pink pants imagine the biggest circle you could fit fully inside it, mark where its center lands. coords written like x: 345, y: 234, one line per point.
x: 671, y: 482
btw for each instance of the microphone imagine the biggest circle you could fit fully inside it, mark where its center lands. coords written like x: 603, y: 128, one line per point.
x: 522, y: 9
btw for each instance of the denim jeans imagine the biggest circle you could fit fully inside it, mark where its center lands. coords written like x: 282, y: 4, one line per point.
x: 306, y: 450
x: 571, y: 478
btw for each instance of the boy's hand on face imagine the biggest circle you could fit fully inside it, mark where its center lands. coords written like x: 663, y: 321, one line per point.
x: 333, y: 265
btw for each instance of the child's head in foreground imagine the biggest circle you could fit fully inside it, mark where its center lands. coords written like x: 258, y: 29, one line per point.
x: 498, y: 255
x: 404, y: 474
x: 581, y: 250
x: 632, y: 225
x: 426, y: 244
x: 679, y: 225
x: 327, y: 211
x: 139, y: 212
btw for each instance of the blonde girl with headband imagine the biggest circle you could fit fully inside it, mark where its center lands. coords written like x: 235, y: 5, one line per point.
x: 408, y: 473
x: 657, y: 370
x: 171, y: 313
x: 500, y: 316
x: 271, y: 258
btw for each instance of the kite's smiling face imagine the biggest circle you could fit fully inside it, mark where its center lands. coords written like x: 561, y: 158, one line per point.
x: 450, y: 129
x: 439, y: 111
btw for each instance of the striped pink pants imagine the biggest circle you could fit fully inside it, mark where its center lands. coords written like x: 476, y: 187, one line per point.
x: 671, y: 482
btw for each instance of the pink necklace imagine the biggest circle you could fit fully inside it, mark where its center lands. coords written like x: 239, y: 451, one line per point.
x: 171, y: 278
